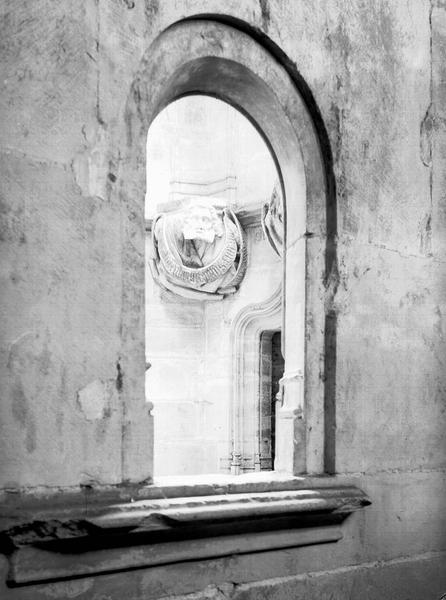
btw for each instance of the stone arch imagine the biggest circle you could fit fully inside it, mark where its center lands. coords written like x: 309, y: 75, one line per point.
x: 209, y: 57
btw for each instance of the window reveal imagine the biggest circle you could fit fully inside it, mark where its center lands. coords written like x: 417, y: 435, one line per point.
x: 245, y: 75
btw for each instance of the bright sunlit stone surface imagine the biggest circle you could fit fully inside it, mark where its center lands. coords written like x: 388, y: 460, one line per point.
x: 203, y: 149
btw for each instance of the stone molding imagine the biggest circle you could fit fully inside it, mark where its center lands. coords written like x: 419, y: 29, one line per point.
x: 107, y: 537
x: 247, y: 327
x: 247, y: 217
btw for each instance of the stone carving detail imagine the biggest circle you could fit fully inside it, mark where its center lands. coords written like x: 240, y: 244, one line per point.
x: 247, y: 328
x: 199, y: 251
x: 272, y: 220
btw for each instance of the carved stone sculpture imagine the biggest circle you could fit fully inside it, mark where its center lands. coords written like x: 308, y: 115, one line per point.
x: 199, y: 251
x: 272, y: 220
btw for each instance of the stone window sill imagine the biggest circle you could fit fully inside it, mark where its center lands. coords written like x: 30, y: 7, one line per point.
x: 173, y: 521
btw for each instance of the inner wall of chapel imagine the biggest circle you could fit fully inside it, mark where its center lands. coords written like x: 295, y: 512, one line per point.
x: 202, y: 147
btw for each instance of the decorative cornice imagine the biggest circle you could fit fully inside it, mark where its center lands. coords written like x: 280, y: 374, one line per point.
x: 247, y: 217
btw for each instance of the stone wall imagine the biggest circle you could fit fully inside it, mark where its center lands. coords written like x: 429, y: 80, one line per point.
x: 376, y: 73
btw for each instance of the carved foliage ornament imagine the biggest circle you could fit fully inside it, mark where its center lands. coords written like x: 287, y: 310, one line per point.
x: 272, y: 220
x: 199, y: 251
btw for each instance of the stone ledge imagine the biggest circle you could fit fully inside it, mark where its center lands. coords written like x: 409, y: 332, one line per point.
x: 248, y: 217
x: 50, y: 545
x: 35, y: 565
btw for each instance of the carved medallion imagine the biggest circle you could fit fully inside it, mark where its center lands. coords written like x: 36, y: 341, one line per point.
x: 199, y: 251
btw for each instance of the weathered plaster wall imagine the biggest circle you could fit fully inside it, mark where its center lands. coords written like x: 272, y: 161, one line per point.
x: 377, y: 72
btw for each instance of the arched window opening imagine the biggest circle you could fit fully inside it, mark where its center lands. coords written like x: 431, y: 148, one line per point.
x: 214, y: 234
x: 242, y: 73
